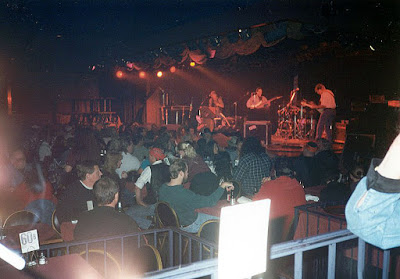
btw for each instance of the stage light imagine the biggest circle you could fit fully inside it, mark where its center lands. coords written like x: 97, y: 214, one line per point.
x: 172, y: 69
x: 192, y: 64
x: 159, y: 74
x: 142, y: 74
x: 119, y: 74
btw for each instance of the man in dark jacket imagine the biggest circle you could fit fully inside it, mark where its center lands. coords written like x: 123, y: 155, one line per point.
x: 104, y: 220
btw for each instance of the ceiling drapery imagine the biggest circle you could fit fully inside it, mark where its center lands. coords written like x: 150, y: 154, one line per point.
x: 221, y: 47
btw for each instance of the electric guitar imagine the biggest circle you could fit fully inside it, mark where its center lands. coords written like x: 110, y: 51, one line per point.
x: 267, y: 104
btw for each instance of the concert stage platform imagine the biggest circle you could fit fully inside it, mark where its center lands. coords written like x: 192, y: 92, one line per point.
x: 293, y: 147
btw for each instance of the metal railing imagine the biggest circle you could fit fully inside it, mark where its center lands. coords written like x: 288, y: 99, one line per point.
x: 295, y: 248
x: 176, y: 248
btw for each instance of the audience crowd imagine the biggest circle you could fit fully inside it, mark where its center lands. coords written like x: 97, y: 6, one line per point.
x: 74, y: 170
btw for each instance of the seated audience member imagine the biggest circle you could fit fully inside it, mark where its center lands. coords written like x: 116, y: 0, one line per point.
x: 254, y: 165
x: 335, y: 191
x: 304, y: 166
x: 184, y: 201
x: 86, y: 148
x: 78, y: 196
x: 285, y: 193
x: 129, y: 162
x: 30, y: 187
x: 202, y: 180
x: 139, y: 150
x: 104, y: 220
x: 152, y: 177
x: 355, y: 175
x: 206, y: 134
x: 111, y: 164
x: 326, y: 161
x: 372, y: 211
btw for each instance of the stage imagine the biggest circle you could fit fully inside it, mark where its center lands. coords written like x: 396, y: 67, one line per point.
x: 280, y: 146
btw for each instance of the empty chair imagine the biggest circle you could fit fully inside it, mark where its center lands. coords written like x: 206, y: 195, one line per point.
x: 166, y: 216
x: 209, y: 230
x: 148, y: 259
x: 55, y: 223
x: 105, y: 264
x: 22, y: 217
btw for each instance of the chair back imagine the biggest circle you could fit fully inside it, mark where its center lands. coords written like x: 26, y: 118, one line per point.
x: 209, y: 230
x: 19, y: 218
x: 149, y: 259
x: 96, y: 259
x: 55, y: 224
x: 166, y: 216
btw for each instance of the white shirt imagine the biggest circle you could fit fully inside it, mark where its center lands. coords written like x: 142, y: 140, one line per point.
x: 44, y: 151
x: 128, y: 163
x: 328, y: 99
x: 145, y: 176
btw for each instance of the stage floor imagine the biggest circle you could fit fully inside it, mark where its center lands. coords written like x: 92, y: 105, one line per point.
x: 293, y: 147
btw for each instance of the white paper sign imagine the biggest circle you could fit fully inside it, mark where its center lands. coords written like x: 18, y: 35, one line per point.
x: 29, y: 241
x: 243, y: 237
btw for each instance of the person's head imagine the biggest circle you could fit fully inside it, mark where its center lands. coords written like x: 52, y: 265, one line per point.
x: 156, y: 154
x: 309, y: 149
x: 213, y: 95
x: 179, y: 170
x: 356, y: 173
x: 207, y: 134
x: 88, y: 172
x: 18, y: 159
x: 112, y: 161
x: 282, y: 167
x: 127, y: 144
x: 186, y: 150
x: 319, y: 88
x: 251, y: 145
x: 259, y: 91
x: 114, y: 145
x: 106, y: 191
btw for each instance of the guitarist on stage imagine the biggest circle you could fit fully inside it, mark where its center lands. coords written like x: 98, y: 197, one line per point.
x: 327, y: 108
x: 257, y: 100
x: 216, y: 102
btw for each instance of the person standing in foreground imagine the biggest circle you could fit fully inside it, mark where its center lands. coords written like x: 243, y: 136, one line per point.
x: 372, y: 211
x: 184, y: 201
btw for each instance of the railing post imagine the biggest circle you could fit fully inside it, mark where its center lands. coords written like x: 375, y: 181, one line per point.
x: 385, y: 264
x: 331, y: 260
x: 171, y: 247
x: 361, y: 259
x: 298, y: 265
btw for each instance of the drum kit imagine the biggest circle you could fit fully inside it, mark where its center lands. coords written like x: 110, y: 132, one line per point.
x: 296, y: 123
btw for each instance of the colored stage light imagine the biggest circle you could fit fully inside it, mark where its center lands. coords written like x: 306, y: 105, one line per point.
x: 119, y: 74
x: 142, y: 74
x: 192, y: 64
x: 172, y: 69
x: 159, y: 74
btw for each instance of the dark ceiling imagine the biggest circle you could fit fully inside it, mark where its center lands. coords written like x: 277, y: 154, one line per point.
x: 80, y: 33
